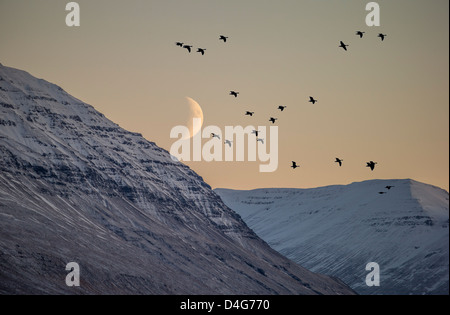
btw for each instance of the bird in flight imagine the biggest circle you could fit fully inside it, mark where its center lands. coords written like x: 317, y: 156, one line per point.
x: 188, y: 47
x: 382, y: 36
x: 389, y: 187
x: 179, y: 44
x: 234, y: 93
x: 201, y: 50
x: 260, y: 140
x: 381, y: 192
x: 249, y: 113
x: 360, y: 34
x: 224, y: 38
x: 312, y: 100
x: 371, y: 164
x: 281, y: 107
x: 273, y: 120
x: 343, y: 45
x: 228, y: 142
x: 294, y: 165
x: 213, y: 135
x: 338, y: 160
x: 256, y: 132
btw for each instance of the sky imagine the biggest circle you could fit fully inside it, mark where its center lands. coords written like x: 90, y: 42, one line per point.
x: 386, y: 101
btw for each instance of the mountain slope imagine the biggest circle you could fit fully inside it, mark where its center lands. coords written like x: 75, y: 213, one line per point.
x: 337, y: 230
x: 75, y: 187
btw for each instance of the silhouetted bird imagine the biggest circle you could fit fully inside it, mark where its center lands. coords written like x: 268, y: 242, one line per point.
x: 382, y: 36
x: 249, y: 113
x: 389, y: 187
x: 343, y: 45
x: 224, y: 38
x: 228, y: 142
x: 235, y: 94
x: 360, y: 34
x: 179, y: 44
x: 371, y: 164
x: 338, y: 160
x: 213, y: 135
x: 201, y: 50
x: 256, y: 132
x: 273, y: 120
x: 188, y: 47
x: 294, y: 165
x: 312, y: 100
x: 381, y: 192
x: 281, y: 107
x: 260, y: 140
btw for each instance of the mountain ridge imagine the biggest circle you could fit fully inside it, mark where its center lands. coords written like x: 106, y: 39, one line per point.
x: 338, y: 229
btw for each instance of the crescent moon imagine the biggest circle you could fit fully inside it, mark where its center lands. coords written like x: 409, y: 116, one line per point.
x: 195, y: 111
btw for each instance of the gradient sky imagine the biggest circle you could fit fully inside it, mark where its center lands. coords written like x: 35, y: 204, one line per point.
x: 383, y: 101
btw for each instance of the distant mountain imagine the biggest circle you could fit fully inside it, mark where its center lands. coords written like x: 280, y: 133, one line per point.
x: 75, y: 187
x: 337, y: 230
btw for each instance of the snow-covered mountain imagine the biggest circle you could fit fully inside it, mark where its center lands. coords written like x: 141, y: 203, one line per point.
x: 338, y: 230
x: 75, y: 187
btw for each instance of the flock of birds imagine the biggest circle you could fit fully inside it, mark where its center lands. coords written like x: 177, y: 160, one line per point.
x: 199, y: 50
x: 361, y: 34
x: 388, y: 187
x: 224, y: 39
x: 370, y: 164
